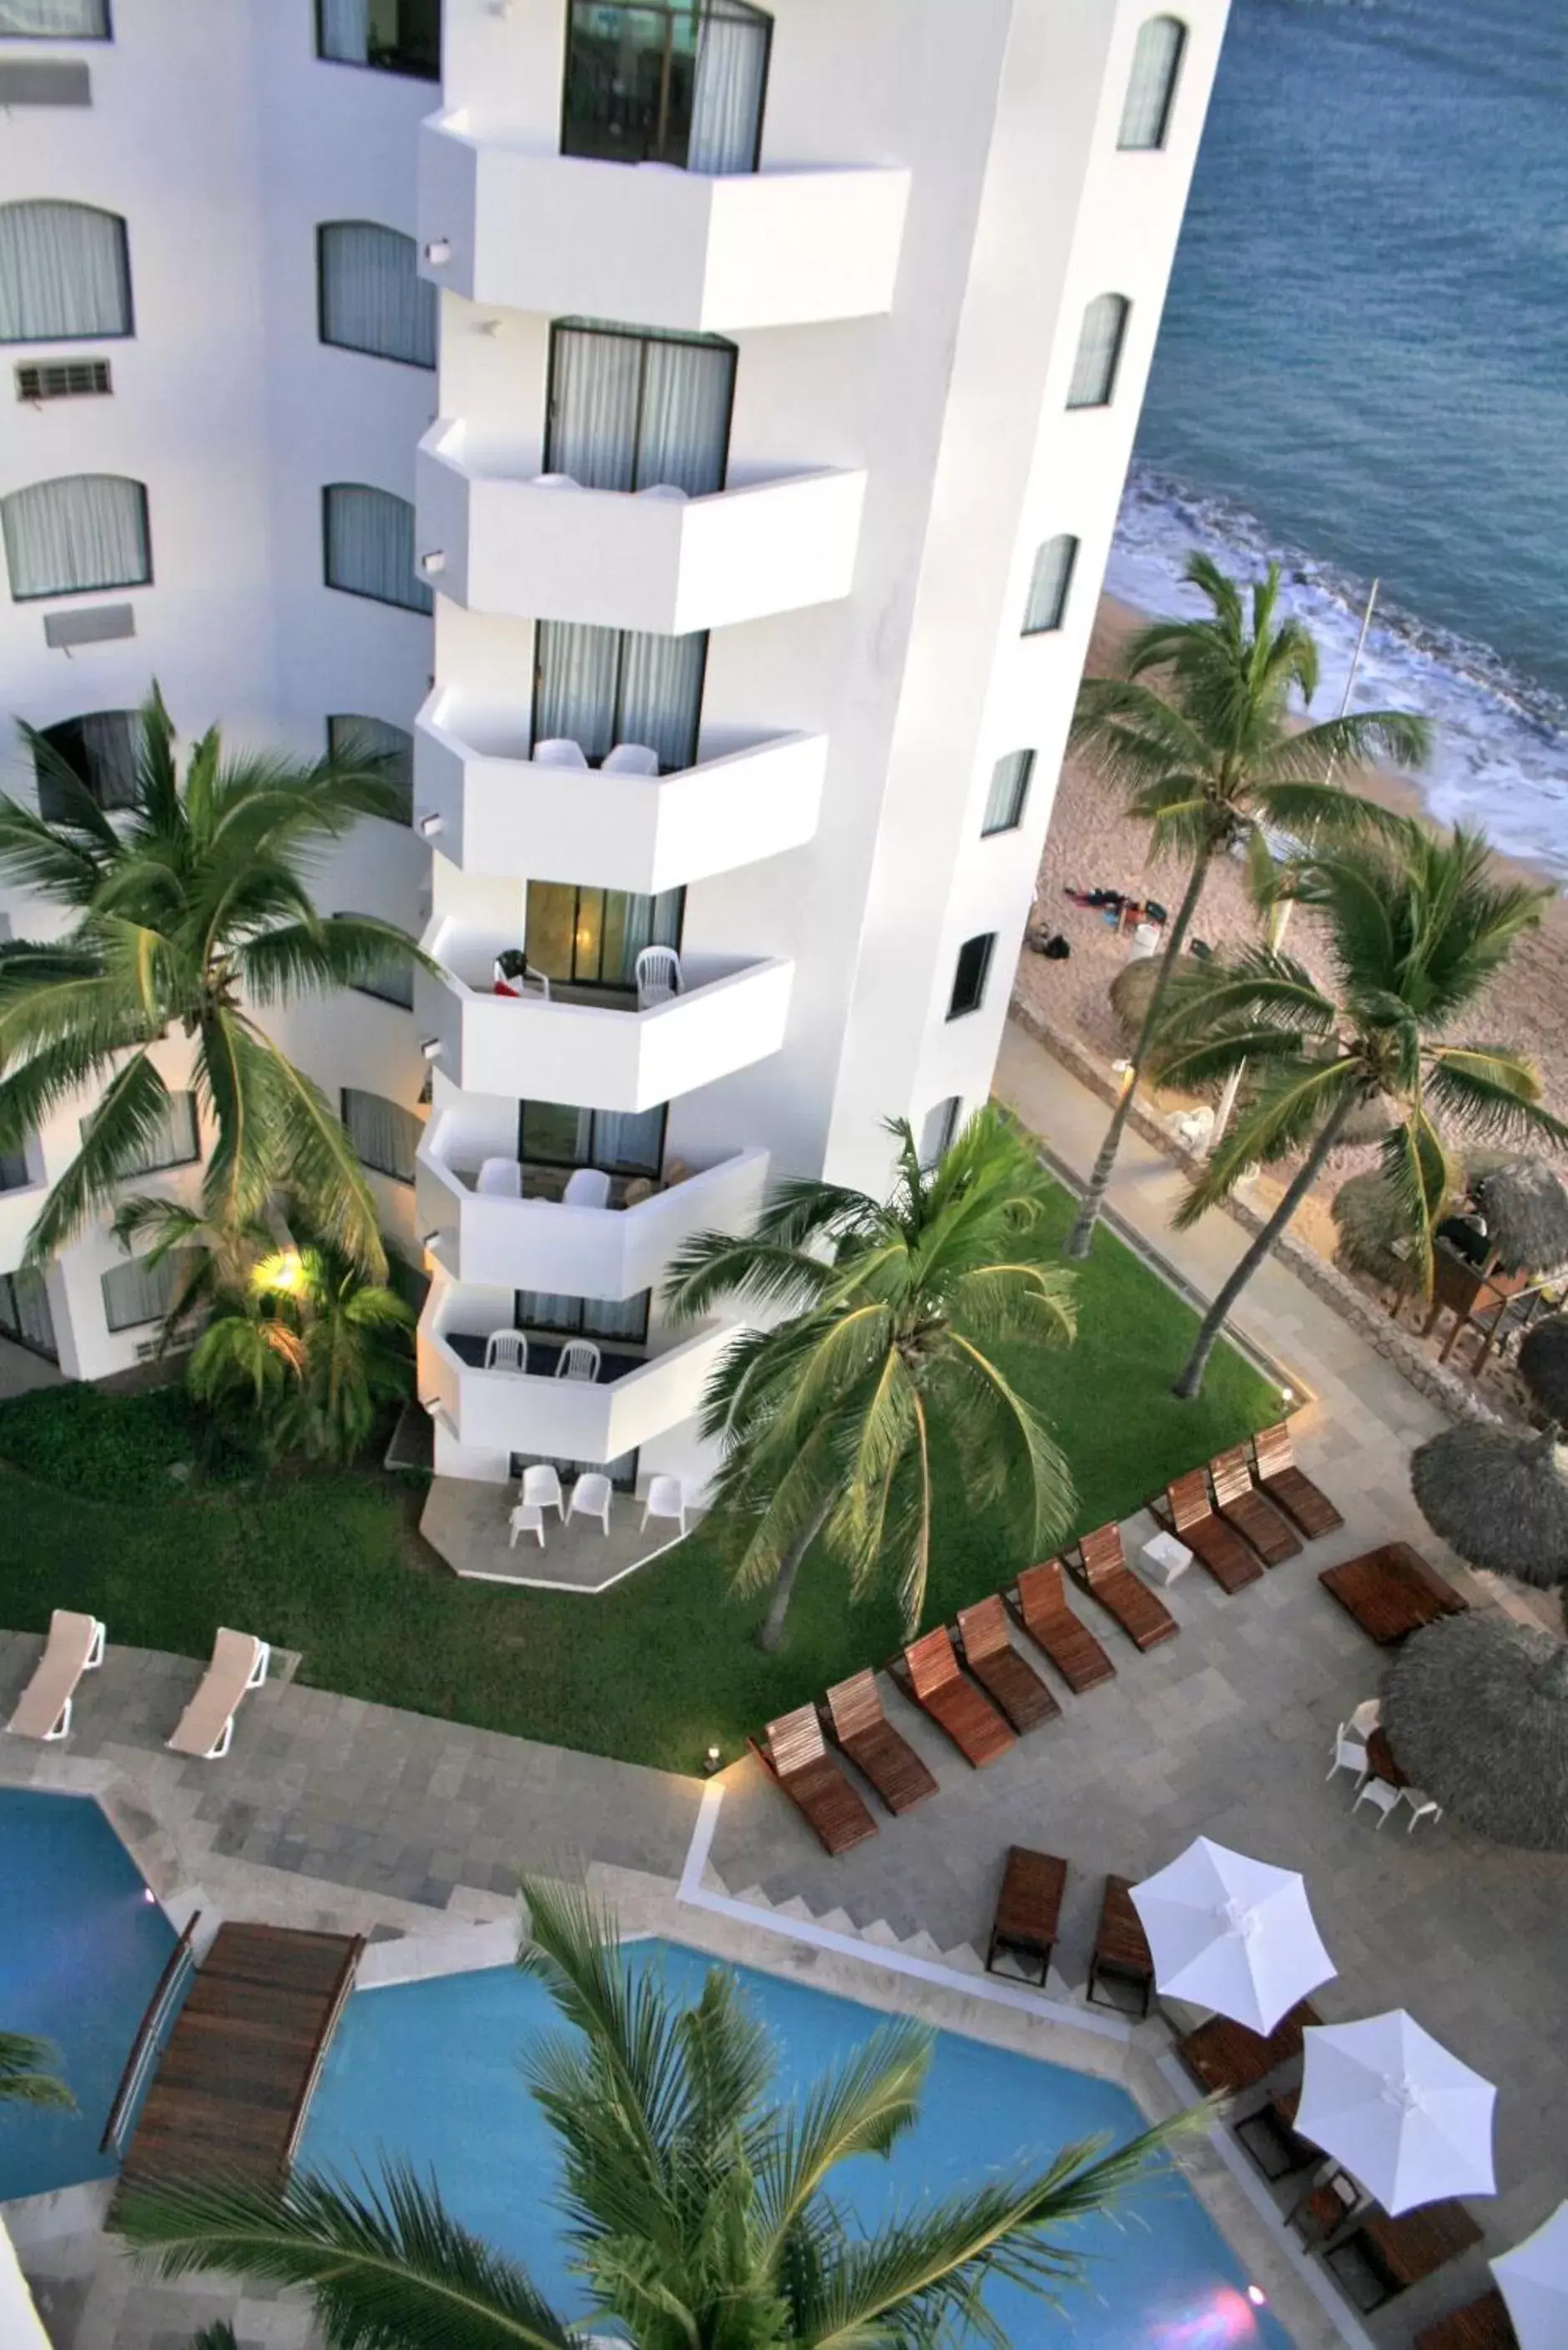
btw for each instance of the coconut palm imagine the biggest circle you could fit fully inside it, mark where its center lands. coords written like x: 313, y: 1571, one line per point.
x: 885, y: 1360
x: 188, y: 911
x: 1211, y: 756
x: 27, y: 2076
x: 698, y: 2207
x: 1416, y: 927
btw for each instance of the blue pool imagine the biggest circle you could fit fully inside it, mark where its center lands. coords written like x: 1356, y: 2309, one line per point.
x: 82, y: 1944
x: 428, y: 2071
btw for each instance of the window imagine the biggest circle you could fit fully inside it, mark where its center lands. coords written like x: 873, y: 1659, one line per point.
x: 938, y: 1129
x: 629, y: 408
x: 63, y: 380
x: 143, y: 1291
x: 371, y: 296
x: 65, y: 273
x: 401, y: 37
x: 369, y: 546
x: 80, y: 532
x: 1099, y: 352
x: 969, y: 979
x: 15, y: 1175
x: 621, y: 1472
x: 1050, y: 584
x: 25, y: 1316
x: 593, y: 937
x: 394, y: 986
x: 1009, y: 791
x: 599, y: 687
x: 585, y: 1317
x: 410, y: 1281
x: 174, y: 1141
x: 354, y: 740
x: 620, y: 1143
x: 385, y: 1136
x: 55, y: 20
x: 100, y: 749
x: 666, y: 84
x: 1151, y: 86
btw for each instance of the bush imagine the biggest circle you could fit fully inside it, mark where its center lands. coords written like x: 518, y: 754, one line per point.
x: 118, y: 1448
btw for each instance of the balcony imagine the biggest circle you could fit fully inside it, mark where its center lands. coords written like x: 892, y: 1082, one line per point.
x: 594, y: 1047
x: 501, y: 816
x: 565, y: 234
x: 653, y: 559
x: 539, y: 1241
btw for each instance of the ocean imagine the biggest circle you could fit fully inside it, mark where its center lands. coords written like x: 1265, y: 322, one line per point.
x: 1363, y: 371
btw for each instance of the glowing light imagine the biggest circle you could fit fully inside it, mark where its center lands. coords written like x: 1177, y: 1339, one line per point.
x: 1288, y: 1395
x: 1257, y: 2296
x: 282, y: 1272
x: 148, y: 1893
x: 711, y: 1762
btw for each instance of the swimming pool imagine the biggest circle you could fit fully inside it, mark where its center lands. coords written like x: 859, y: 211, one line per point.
x: 426, y: 2071
x: 81, y: 1949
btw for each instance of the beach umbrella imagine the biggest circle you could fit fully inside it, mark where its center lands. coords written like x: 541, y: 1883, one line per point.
x: 1476, y: 1709
x: 1544, y: 1365
x: 1130, y: 992
x: 1368, y: 1220
x: 1526, y: 1211
x: 1406, y: 2118
x: 1233, y: 1934
x: 1533, y: 2278
x: 1498, y: 1499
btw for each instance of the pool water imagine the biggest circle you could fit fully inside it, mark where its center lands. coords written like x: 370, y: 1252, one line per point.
x: 428, y: 2072
x: 82, y: 1944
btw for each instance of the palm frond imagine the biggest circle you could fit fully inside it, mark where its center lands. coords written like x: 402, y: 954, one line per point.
x: 115, y: 1141
x: 1290, y: 1105
x: 28, y: 2075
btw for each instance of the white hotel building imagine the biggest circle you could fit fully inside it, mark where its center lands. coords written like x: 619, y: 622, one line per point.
x: 691, y: 436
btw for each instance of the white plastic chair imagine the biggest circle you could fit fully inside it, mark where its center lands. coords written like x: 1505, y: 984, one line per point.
x: 666, y: 1499
x: 629, y: 759
x: 591, y: 1498
x: 579, y: 1359
x: 1422, y: 1807
x: 1367, y: 1717
x: 1349, y: 1753
x: 558, y: 751
x: 1381, y: 1795
x: 500, y: 1179
x: 527, y: 1518
x: 557, y: 482
x: 506, y: 1350
x: 589, y: 1187
x: 541, y: 1489
x: 657, y: 976
x: 668, y: 489
x: 519, y: 982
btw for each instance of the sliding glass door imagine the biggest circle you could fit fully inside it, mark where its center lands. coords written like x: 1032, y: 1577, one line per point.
x: 592, y: 938
x: 630, y: 410
x: 599, y: 687
x: 665, y: 83
x: 620, y: 1143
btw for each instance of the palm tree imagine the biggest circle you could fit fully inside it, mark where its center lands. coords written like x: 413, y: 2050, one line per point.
x: 698, y: 2207
x: 892, y: 1313
x: 1212, y: 756
x: 27, y: 2076
x: 1416, y: 927
x: 188, y: 910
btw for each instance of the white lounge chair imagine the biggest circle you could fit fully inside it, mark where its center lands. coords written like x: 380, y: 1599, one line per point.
x: 591, y: 1498
x: 1382, y: 1798
x: 657, y: 976
x: 239, y: 1665
x: 579, y: 1358
x: 1349, y: 1753
x: 588, y: 1187
x: 527, y: 1518
x: 75, y: 1646
x: 506, y: 1350
x: 666, y: 1498
x: 500, y: 1179
x: 629, y: 759
x: 541, y: 1489
x: 559, y: 751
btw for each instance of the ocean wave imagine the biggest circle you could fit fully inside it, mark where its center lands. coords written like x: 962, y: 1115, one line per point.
x: 1500, y: 757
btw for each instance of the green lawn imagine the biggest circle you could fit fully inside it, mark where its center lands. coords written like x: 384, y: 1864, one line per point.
x: 327, y: 1563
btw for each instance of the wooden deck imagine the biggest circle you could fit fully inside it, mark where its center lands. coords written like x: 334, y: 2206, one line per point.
x: 231, y: 2090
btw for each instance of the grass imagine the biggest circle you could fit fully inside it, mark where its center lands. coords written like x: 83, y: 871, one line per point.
x: 329, y: 1562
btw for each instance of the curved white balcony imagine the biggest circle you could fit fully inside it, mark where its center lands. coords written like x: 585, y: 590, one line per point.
x: 596, y: 1050
x: 543, y: 1242
x: 500, y: 815
x: 558, y: 234
x: 651, y: 559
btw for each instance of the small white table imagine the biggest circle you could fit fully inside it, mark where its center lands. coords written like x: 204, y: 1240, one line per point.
x: 1164, y: 1558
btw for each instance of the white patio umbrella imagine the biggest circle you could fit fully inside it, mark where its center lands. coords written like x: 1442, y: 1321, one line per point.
x: 1231, y: 1933
x: 1408, y: 2120
x: 1533, y: 2278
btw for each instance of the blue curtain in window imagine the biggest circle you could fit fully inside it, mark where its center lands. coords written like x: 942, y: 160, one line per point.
x: 65, y: 273
x: 80, y: 532
x: 372, y: 297
x: 370, y: 547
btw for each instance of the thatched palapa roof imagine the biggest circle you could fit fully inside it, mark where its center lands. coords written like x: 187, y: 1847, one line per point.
x: 1498, y: 1499
x: 1544, y: 1365
x: 1526, y: 1211
x: 1475, y: 1709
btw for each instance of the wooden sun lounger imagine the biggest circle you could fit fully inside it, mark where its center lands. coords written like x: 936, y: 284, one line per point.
x: 1219, y: 1549
x: 1224, y: 2057
x: 1400, y: 2251
x: 1040, y: 1607
x: 1390, y: 1592
x: 998, y: 1668
x: 1104, y: 1571
x: 1288, y: 1487
x: 1483, y: 2324
x: 1028, y: 1909
x: 929, y: 1672
x: 857, y: 1722
x: 75, y: 1646
x: 1121, y: 1946
x: 1238, y: 1501
x: 795, y: 1759
x: 206, y: 1728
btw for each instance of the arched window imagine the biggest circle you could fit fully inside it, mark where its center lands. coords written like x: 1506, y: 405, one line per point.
x: 101, y: 748
x: 1099, y: 351
x: 65, y: 273
x: 1151, y: 86
x: 54, y: 20
x: 369, y: 546
x: 371, y: 295
x: 1009, y: 791
x: 1050, y: 582
x: 80, y: 532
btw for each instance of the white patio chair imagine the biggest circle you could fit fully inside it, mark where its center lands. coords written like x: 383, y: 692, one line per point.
x: 206, y: 1728
x: 559, y: 751
x: 557, y: 482
x: 591, y: 1498
x: 519, y: 982
x: 629, y: 759
x: 579, y: 1358
x: 506, y: 1350
x: 541, y: 1489
x: 666, y: 1498
x: 1367, y: 1717
x: 668, y: 489
x: 1422, y: 1807
x: 1349, y: 1753
x: 1381, y: 1795
x: 75, y: 1646
x: 527, y: 1518
x: 589, y: 1187
x: 500, y: 1179
x: 657, y: 976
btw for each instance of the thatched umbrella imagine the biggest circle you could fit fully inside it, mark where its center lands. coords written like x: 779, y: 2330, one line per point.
x: 1369, y: 1220
x: 1130, y: 992
x: 1498, y: 1499
x: 1475, y: 1709
x: 1526, y: 1211
x: 1544, y: 1365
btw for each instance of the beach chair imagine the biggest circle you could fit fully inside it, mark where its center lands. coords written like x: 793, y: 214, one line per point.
x: 1483, y: 2324
x: 1219, y: 1549
x: 1028, y: 1910
x: 1238, y: 1501
x: 1224, y: 2057
x: 1040, y: 1606
x: 929, y: 1672
x: 1105, y: 1575
x: 1001, y: 1671
x: 75, y: 1646
x: 794, y: 1757
x: 1288, y: 1487
x: 1121, y: 1947
x: 206, y: 1728
x: 857, y: 1724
